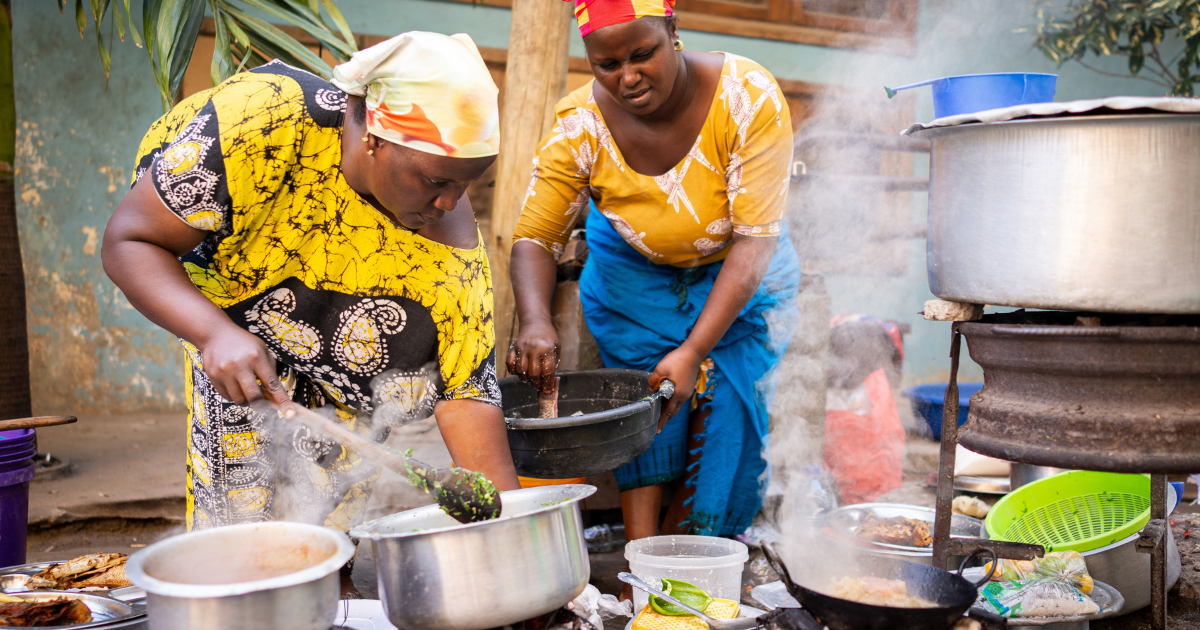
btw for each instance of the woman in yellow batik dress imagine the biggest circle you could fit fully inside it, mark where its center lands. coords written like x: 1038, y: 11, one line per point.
x: 333, y: 254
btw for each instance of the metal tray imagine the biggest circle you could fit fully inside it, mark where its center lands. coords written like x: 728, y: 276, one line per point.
x: 847, y: 519
x: 106, y: 611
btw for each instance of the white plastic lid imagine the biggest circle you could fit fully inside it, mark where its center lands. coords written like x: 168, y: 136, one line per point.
x: 686, y: 552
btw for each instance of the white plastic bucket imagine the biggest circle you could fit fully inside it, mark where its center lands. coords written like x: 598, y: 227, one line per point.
x: 713, y: 564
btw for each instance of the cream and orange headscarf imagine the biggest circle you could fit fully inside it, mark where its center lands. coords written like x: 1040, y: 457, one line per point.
x: 594, y: 14
x: 426, y: 91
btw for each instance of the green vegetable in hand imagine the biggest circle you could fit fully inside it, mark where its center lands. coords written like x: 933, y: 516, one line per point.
x: 689, y: 594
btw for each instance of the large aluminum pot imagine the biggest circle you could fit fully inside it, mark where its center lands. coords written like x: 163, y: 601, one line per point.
x: 1089, y: 213
x: 253, y: 577
x: 438, y: 574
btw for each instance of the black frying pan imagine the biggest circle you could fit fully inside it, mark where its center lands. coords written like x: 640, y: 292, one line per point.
x: 950, y: 591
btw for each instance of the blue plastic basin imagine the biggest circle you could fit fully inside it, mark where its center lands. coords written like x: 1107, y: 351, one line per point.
x: 927, y: 401
x: 970, y: 93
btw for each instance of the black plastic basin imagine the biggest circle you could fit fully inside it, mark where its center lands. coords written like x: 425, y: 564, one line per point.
x: 618, y: 423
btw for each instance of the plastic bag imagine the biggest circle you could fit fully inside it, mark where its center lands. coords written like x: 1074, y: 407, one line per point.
x: 1046, y: 597
x: 1066, y: 566
x: 594, y: 608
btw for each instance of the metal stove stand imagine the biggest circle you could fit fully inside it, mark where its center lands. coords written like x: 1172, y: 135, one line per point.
x: 1128, y: 437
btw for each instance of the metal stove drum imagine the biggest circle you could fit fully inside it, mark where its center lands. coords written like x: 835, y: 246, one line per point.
x: 1091, y: 208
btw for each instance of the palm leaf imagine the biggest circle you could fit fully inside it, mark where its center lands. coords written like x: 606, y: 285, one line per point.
x: 170, y: 28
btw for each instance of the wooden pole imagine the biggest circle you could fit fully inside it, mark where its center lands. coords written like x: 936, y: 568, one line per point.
x: 534, y: 81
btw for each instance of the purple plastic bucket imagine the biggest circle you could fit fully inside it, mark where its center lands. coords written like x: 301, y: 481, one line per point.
x: 16, y: 438
x: 14, y: 514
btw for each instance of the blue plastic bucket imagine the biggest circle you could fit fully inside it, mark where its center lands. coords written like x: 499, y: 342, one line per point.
x: 970, y: 93
x: 927, y: 401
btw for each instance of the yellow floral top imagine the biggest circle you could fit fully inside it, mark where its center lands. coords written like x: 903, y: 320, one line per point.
x: 359, y: 312
x: 734, y: 179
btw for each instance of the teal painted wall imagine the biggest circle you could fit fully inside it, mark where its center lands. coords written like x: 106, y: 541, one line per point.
x: 91, y: 352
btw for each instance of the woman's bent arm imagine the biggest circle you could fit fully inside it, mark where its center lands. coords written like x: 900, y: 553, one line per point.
x: 744, y: 268
x: 142, y: 243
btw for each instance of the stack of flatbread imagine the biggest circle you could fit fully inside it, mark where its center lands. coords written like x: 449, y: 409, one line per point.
x: 102, y: 570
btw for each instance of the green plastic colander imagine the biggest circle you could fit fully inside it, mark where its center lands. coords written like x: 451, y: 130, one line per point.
x: 1074, y: 511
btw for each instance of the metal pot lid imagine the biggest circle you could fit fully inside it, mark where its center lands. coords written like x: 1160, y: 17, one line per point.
x: 1096, y: 106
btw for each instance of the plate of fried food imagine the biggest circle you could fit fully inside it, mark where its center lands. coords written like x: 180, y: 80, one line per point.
x: 84, y: 592
x: 895, y: 525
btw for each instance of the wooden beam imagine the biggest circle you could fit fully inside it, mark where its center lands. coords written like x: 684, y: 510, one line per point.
x: 535, y: 80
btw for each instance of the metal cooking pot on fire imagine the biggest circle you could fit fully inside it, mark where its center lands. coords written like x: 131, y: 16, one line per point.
x: 438, y: 574
x: 1085, y: 206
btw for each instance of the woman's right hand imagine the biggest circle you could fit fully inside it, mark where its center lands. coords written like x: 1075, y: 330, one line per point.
x: 236, y: 361
x: 534, y: 355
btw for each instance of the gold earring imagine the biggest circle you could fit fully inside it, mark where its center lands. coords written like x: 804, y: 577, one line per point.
x: 364, y: 138
x: 679, y: 44
x: 370, y: 151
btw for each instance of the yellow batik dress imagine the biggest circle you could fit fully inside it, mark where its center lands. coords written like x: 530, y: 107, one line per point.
x: 656, y: 246
x: 362, y: 315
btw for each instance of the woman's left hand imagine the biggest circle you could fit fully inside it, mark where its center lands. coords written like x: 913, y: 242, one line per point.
x: 682, y: 366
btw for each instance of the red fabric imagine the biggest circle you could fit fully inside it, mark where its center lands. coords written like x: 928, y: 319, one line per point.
x: 594, y: 14
x: 865, y: 453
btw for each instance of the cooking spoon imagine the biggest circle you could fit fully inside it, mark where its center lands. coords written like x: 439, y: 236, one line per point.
x: 744, y: 623
x: 35, y: 423
x: 465, y: 495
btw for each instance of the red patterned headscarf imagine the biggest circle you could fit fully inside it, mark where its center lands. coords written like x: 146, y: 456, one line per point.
x: 594, y: 14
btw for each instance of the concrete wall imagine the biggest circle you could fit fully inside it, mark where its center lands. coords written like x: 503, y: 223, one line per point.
x: 91, y: 352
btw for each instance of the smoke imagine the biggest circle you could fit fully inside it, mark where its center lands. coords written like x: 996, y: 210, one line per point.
x: 319, y: 482
x: 856, y: 217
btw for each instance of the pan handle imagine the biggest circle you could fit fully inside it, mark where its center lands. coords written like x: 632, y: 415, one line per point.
x: 666, y: 389
x: 777, y: 564
x: 994, y: 563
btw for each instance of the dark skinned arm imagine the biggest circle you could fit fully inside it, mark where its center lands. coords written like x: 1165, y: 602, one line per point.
x: 745, y: 266
x: 534, y: 356
x: 142, y: 243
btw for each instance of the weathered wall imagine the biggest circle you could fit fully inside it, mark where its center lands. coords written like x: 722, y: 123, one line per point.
x: 92, y: 353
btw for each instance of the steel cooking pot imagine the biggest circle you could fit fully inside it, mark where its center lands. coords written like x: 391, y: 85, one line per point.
x: 438, y: 574
x: 256, y: 576
x: 1097, y: 211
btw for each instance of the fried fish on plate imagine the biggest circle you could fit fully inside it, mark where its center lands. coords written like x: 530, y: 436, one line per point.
x: 103, y: 570
x: 896, y: 530
x: 54, y: 612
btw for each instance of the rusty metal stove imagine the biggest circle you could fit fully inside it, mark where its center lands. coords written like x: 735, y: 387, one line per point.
x: 1093, y: 391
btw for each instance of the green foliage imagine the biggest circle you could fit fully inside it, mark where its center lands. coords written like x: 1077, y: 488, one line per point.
x: 243, y: 40
x: 1161, y: 38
